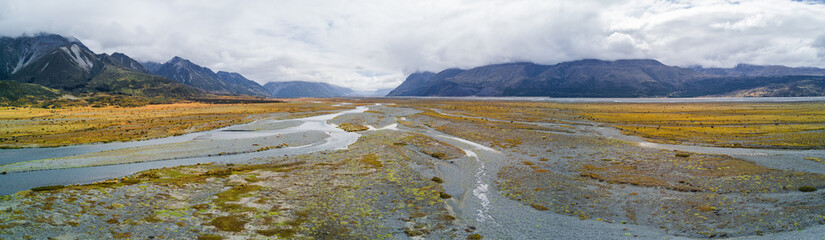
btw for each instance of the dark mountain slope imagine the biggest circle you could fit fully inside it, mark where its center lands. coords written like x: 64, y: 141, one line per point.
x: 17, y: 53
x: 415, y: 85
x: 67, y: 67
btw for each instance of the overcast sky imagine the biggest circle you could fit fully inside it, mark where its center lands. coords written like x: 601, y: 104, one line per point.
x: 375, y: 44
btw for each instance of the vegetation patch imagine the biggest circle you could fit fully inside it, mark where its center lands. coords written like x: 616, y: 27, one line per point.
x: 807, y: 189
x: 234, y: 223
x: 349, y: 127
x: 280, y: 232
x: 210, y: 237
x: 539, y: 207
x: 775, y: 125
x: 371, y: 160
x: 48, y: 188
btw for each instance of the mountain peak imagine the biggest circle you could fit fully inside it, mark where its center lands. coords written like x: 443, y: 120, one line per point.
x: 177, y: 59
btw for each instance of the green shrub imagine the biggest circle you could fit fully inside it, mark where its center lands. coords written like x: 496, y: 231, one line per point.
x: 475, y: 236
x: 48, y: 188
x: 807, y: 189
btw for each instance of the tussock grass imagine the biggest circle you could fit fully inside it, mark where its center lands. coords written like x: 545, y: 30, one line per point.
x: 28, y: 127
x: 778, y: 125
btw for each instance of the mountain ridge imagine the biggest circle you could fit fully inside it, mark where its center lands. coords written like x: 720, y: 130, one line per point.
x: 184, y: 71
x: 601, y: 78
x: 63, y: 64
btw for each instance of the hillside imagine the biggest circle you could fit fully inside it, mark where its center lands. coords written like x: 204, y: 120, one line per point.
x: 13, y: 93
x: 119, y: 81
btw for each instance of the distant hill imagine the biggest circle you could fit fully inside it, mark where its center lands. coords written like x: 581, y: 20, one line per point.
x: 298, y: 89
x: 57, y: 62
x: 775, y: 86
x: 186, y: 72
x: 598, y: 78
x: 747, y: 70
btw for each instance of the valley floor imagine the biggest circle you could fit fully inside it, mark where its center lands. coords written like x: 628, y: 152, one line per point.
x: 449, y: 169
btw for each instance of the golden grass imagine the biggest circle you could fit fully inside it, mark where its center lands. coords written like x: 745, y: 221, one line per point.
x: 781, y: 125
x: 38, y: 127
x: 730, y: 124
x: 349, y: 127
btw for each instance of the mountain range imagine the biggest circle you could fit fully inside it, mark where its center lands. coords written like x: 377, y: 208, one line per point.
x: 297, y: 89
x: 60, y: 65
x: 49, y: 66
x: 186, y: 72
x: 620, y: 78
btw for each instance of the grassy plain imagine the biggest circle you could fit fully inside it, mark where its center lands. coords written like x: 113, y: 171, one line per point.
x: 41, y: 127
x: 772, y: 125
x: 728, y: 124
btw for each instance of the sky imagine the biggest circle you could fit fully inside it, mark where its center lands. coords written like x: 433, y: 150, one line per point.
x: 367, y: 45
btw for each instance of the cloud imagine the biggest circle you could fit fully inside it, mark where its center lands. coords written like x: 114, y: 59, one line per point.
x: 819, y: 45
x: 374, y: 44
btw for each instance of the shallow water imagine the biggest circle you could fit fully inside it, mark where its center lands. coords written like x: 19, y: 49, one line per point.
x: 14, y: 182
